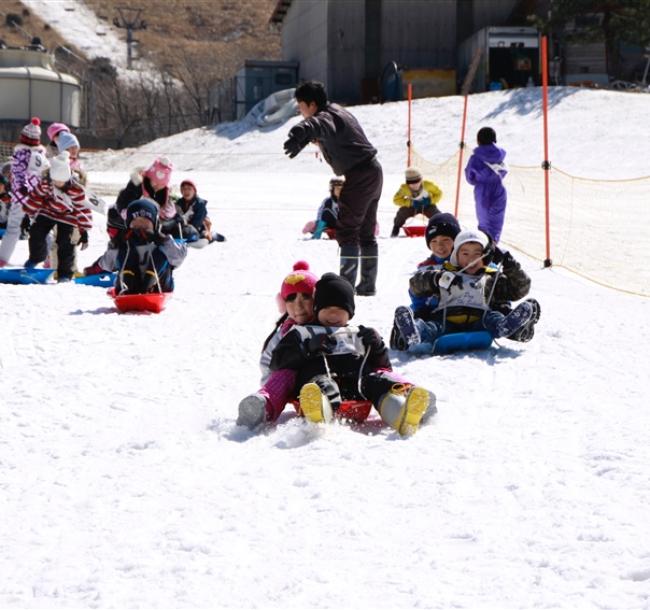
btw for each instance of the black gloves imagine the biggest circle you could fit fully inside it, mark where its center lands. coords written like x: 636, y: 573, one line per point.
x: 423, y: 282
x: 292, y: 147
x: 319, y: 344
x: 159, y: 238
x: 493, y: 254
x: 83, y: 240
x: 370, y: 338
x: 426, y: 282
x: 296, y: 142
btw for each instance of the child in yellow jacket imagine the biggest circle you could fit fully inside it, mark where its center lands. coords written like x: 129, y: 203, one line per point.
x: 415, y: 196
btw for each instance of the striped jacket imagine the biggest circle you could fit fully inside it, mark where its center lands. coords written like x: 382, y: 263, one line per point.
x: 65, y: 205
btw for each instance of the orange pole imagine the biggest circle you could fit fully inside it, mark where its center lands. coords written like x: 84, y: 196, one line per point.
x: 408, y: 134
x: 546, y: 164
x: 460, y: 155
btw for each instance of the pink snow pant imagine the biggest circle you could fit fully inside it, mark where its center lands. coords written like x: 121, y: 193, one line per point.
x: 278, y: 390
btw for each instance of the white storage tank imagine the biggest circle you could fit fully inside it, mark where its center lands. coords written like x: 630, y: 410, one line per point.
x: 30, y: 86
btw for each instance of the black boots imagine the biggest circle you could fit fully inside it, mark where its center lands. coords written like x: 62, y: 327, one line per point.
x: 369, y: 267
x: 349, y: 263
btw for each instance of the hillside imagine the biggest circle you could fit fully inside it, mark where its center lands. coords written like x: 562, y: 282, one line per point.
x: 228, y: 30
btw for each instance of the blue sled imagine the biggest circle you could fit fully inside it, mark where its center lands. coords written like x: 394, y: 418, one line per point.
x: 105, y: 280
x: 20, y: 275
x: 2, y: 232
x: 463, y: 341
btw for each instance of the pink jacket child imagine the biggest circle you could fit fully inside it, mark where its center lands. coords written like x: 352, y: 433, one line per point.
x: 296, y: 299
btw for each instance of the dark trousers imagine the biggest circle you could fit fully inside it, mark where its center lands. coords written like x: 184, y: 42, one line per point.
x: 358, y: 205
x: 64, y: 246
x: 137, y: 278
x: 406, y: 212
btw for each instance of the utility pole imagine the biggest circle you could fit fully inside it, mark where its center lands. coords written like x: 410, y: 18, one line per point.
x: 130, y: 20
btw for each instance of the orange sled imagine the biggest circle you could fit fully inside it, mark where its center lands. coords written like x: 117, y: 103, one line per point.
x: 153, y: 302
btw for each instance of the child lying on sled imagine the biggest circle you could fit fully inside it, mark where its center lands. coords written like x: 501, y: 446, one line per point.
x: 334, y: 362
x: 278, y: 387
x: 466, y: 291
x: 143, y: 257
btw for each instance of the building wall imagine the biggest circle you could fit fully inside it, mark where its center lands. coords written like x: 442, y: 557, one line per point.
x: 346, y: 43
x: 304, y: 38
x: 491, y: 12
x: 419, y: 33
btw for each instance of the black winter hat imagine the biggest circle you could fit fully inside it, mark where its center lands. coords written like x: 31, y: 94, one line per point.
x: 333, y: 291
x: 146, y: 208
x: 441, y: 224
x: 486, y: 135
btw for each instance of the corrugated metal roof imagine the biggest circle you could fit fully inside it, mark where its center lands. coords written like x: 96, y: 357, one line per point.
x: 280, y: 11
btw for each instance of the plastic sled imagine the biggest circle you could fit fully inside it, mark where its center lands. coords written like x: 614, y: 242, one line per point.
x: 350, y: 410
x: 414, y: 230
x: 2, y: 232
x: 463, y: 341
x: 105, y: 280
x: 21, y: 275
x: 153, y: 302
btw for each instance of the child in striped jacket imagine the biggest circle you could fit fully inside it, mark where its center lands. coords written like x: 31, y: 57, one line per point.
x: 57, y: 200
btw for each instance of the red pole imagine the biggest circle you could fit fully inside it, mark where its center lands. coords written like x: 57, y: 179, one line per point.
x: 460, y: 155
x: 546, y: 164
x: 408, y: 135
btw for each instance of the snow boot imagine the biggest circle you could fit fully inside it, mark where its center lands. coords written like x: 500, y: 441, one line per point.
x: 369, y: 269
x: 396, y: 340
x: 349, y: 263
x: 527, y: 332
x: 515, y: 320
x: 321, y: 225
x: 405, y: 407
x: 252, y: 411
x: 406, y: 327
x: 315, y: 406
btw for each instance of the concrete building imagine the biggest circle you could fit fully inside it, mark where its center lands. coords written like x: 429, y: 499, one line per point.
x: 350, y: 45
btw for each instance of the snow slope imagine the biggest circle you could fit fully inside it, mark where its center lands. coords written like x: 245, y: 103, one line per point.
x: 125, y: 483
x: 78, y: 24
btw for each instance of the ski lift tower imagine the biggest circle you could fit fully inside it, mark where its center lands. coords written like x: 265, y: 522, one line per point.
x: 130, y: 20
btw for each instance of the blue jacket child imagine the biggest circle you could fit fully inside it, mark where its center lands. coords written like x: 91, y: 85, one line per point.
x: 143, y: 257
x: 440, y: 233
x: 485, y: 170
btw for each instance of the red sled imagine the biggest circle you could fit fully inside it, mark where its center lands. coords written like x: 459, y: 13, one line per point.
x: 414, y: 230
x: 331, y: 233
x: 350, y: 410
x: 153, y: 302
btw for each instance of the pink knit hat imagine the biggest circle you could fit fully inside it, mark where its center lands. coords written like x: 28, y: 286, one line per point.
x: 160, y: 170
x: 55, y: 129
x: 300, y: 280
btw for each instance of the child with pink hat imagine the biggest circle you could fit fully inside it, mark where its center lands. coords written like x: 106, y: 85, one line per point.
x: 296, y: 302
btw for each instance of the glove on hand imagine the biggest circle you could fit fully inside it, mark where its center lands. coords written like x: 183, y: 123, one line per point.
x: 424, y: 282
x: 296, y: 141
x: 159, y: 238
x: 319, y: 344
x: 83, y: 240
x: 292, y: 147
x: 370, y: 338
x: 492, y: 253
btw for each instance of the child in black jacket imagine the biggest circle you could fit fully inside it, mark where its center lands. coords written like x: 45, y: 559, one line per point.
x: 334, y: 362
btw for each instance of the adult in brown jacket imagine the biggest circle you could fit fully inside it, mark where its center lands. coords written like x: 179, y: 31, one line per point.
x: 346, y: 148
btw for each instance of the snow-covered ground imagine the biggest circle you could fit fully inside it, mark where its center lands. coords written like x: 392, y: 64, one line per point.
x: 125, y: 483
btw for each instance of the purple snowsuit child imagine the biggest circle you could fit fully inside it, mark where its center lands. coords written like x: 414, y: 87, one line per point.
x: 485, y: 171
